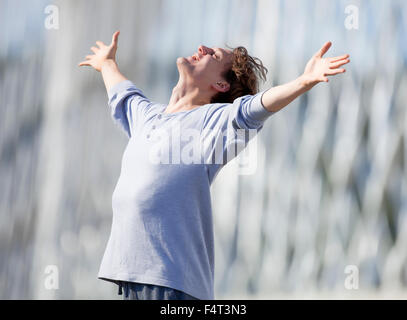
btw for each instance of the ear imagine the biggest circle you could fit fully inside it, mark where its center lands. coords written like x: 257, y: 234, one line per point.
x: 221, y: 86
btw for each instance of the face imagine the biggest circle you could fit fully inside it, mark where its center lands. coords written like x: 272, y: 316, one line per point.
x: 204, y: 67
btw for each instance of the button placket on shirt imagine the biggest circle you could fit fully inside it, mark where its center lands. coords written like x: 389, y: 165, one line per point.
x: 153, y: 127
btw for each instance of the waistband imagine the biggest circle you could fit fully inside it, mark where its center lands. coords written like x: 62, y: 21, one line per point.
x: 125, y: 285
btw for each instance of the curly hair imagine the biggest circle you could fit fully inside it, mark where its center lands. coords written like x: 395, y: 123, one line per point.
x: 243, y: 76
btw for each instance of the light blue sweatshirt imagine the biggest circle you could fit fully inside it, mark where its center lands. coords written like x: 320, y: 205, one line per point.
x: 162, y: 229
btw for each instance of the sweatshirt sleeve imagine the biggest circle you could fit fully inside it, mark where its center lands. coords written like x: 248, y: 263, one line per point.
x: 128, y: 105
x: 227, y: 128
x: 246, y: 112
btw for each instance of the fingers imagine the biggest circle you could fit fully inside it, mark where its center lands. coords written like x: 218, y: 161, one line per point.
x: 84, y: 63
x: 324, y: 49
x: 115, y: 38
x: 334, y: 59
x: 335, y: 72
x: 338, y: 64
x: 100, y: 44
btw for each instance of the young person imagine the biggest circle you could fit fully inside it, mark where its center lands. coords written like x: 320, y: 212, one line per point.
x: 161, y: 244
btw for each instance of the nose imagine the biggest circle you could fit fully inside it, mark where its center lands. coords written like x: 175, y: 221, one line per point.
x: 204, y: 50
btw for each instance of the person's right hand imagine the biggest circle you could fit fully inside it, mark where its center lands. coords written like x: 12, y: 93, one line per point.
x: 101, y: 54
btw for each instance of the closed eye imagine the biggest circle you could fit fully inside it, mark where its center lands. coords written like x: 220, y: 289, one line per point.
x: 216, y: 55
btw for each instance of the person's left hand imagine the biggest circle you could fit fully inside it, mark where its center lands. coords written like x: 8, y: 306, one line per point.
x: 319, y: 68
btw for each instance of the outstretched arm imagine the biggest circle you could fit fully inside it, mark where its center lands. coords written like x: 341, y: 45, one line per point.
x: 316, y: 70
x: 104, y: 61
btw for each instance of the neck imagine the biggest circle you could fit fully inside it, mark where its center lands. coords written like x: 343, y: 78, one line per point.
x: 185, y: 97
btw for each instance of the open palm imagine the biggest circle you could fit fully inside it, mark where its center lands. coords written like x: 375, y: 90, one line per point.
x: 101, y: 53
x: 319, y: 68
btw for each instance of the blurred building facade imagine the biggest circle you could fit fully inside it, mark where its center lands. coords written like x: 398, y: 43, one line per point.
x: 330, y: 189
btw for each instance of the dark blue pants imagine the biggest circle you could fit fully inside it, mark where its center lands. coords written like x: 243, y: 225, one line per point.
x: 141, y: 291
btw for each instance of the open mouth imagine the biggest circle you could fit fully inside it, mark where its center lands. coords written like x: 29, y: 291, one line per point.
x: 195, y: 57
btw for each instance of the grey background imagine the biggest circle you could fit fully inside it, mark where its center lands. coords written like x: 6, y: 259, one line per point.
x: 330, y: 189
